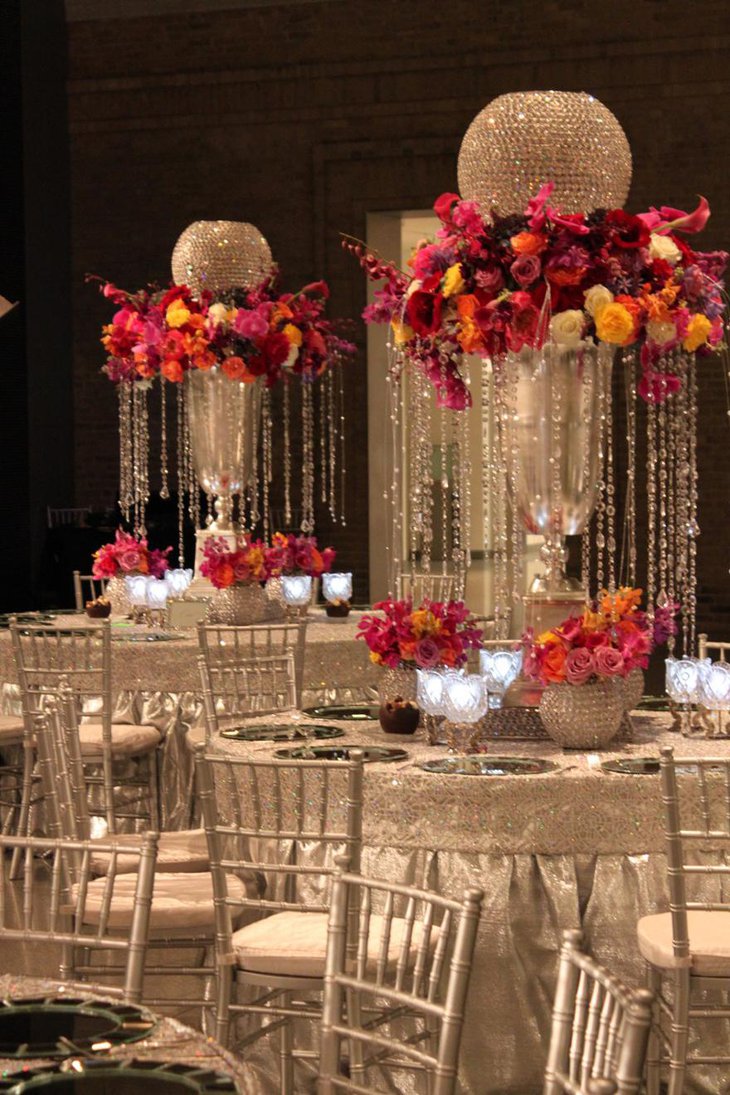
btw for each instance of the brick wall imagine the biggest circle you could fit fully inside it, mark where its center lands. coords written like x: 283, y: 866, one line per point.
x: 302, y: 118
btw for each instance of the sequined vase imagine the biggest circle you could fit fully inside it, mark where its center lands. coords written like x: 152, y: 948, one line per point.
x: 397, y: 683
x: 116, y: 594
x: 585, y: 716
x: 239, y: 604
x: 633, y: 686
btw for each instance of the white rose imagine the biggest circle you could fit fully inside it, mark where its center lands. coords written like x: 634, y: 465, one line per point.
x: 661, y: 247
x: 661, y: 331
x: 415, y: 284
x: 291, y: 357
x: 217, y: 313
x: 566, y: 327
x: 597, y: 297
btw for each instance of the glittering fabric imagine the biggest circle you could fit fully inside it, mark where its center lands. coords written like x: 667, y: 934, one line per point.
x: 576, y: 847
x: 169, y: 1041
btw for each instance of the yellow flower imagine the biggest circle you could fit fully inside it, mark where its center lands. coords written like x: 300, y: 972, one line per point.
x: 592, y: 621
x: 424, y: 623
x: 177, y: 314
x: 375, y: 657
x: 293, y: 333
x: 698, y: 329
x: 615, y: 324
x: 401, y: 332
x: 453, y: 281
x: 548, y: 638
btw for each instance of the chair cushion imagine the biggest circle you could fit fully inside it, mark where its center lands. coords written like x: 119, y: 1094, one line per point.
x: 185, y: 850
x: 11, y: 729
x: 296, y: 943
x: 709, y: 942
x: 181, y: 903
x: 128, y: 740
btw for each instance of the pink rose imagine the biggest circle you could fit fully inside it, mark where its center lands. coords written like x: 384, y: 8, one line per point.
x: 428, y: 654
x: 130, y: 559
x: 579, y: 666
x: 250, y: 324
x: 525, y: 270
x: 609, y: 662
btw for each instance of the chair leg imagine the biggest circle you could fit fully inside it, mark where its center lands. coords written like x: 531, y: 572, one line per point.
x: 24, y: 810
x: 286, y: 1046
x: 654, y: 1046
x: 153, y: 789
x: 355, y: 1050
x: 679, y: 1031
x: 223, y: 988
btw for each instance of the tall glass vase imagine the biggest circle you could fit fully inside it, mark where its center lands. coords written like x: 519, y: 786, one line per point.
x: 224, y: 418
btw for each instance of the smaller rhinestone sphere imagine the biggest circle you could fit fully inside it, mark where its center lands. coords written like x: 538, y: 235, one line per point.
x: 220, y: 255
x: 523, y: 140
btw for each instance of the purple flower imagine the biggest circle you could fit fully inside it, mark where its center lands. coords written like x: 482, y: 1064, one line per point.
x: 525, y: 270
x: 432, y: 259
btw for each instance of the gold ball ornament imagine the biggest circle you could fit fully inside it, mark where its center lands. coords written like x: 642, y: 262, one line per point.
x: 220, y: 255
x: 525, y: 139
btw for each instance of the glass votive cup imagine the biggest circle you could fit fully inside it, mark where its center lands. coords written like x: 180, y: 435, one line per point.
x: 337, y: 587
x: 500, y: 666
x: 297, y: 589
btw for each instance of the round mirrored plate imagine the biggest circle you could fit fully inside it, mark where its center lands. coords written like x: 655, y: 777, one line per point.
x: 144, y: 637
x: 379, y: 753
x: 489, y: 766
x: 27, y: 618
x: 632, y: 766
x: 104, y: 1076
x: 262, y: 732
x: 353, y: 713
x: 44, y: 1026
x: 654, y: 703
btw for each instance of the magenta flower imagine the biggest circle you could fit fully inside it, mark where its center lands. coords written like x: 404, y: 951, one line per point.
x: 250, y: 324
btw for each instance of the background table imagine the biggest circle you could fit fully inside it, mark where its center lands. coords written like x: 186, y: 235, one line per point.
x: 169, y: 1041
x: 577, y: 846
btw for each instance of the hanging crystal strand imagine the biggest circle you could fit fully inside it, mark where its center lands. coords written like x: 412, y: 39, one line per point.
x: 181, y: 475
x: 462, y: 504
x: 287, y: 456
x: 144, y: 456
x: 266, y: 462
x: 323, y: 458
x: 499, y: 464
x: 671, y: 502
x: 590, y: 379
x: 343, y: 461
x: 662, y: 475
x: 126, y: 496
x: 628, y: 555
x: 610, y: 492
x: 604, y: 394
x: 515, y: 583
x: 693, y: 528
x: 332, y: 436
x: 487, y: 470
x: 392, y: 492
x: 307, y: 459
x: 252, y: 485
x: 551, y: 361
x: 164, y: 488
x: 444, y: 487
x: 651, y: 511
x: 681, y: 524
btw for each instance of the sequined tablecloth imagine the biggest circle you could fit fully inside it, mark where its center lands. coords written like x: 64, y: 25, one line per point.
x: 158, y: 684
x: 575, y: 847
x: 169, y: 1041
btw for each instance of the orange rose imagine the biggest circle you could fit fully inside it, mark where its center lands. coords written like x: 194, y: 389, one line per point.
x: 171, y: 369
x: 528, y: 243
x: 469, y: 336
x: 225, y: 575
x: 204, y: 360
x: 235, y: 368
x: 553, y: 665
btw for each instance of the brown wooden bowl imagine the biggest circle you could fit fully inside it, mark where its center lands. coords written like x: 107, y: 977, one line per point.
x: 96, y: 611
x: 399, y: 720
x: 337, y: 611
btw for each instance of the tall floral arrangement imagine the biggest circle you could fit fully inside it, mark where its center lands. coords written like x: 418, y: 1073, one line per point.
x: 128, y: 555
x: 608, y: 639
x: 299, y: 555
x: 435, y: 633
x: 253, y: 333
x: 489, y: 285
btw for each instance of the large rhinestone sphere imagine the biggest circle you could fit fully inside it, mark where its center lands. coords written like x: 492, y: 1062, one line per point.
x: 220, y: 255
x: 522, y: 140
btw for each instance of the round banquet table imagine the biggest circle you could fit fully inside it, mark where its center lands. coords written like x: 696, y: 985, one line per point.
x: 170, y: 1040
x: 158, y: 684
x: 575, y: 846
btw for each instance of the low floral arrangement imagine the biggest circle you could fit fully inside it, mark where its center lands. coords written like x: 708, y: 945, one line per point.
x: 248, y: 333
x: 489, y: 286
x: 127, y: 555
x: 609, y: 639
x: 299, y: 555
x: 248, y: 562
x: 436, y: 633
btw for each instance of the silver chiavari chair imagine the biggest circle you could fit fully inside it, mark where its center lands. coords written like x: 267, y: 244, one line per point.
x: 432, y: 587
x: 396, y: 982
x: 66, y: 794
x: 240, y: 689
x: 223, y: 645
x: 688, y: 948
x: 87, y: 588
x: 55, y: 902
x: 82, y: 656
x: 599, y: 1031
x: 281, y: 822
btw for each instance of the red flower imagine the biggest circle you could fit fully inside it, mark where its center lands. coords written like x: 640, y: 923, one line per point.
x: 423, y: 312
x: 442, y: 206
x: 628, y: 231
